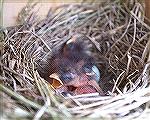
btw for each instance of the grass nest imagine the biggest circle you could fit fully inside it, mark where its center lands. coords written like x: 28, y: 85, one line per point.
x: 121, y: 45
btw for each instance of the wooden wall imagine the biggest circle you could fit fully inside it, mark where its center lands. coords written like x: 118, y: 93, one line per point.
x: 13, y: 7
x: 147, y: 10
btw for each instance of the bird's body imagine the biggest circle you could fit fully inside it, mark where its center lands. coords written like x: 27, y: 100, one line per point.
x: 74, y: 67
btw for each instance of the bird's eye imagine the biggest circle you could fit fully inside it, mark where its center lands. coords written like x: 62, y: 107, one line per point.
x: 87, y: 69
x: 70, y: 46
x: 92, y: 71
x: 67, y: 76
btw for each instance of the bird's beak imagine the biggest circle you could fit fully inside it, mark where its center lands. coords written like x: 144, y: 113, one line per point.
x: 56, y: 80
x: 96, y: 86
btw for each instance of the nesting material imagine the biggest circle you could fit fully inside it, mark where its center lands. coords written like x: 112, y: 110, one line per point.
x: 121, y: 46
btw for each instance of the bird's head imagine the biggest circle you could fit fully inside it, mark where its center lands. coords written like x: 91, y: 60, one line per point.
x: 78, y: 45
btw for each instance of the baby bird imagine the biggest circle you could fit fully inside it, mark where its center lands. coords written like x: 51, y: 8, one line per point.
x: 72, y: 70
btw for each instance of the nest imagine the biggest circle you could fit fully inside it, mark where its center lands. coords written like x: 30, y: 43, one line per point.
x: 121, y: 45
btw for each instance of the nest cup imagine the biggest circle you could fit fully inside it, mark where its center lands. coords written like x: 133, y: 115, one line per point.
x: 120, y: 45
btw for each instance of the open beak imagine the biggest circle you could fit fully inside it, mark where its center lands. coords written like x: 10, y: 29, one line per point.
x: 56, y: 82
x: 94, y: 84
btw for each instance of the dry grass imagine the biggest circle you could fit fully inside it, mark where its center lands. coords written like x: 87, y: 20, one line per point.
x: 121, y: 47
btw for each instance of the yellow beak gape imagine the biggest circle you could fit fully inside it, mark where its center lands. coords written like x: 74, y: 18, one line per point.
x: 56, y: 80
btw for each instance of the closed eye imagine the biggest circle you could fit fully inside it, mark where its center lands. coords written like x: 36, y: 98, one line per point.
x: 93, y: 72
x: 70, y: 46
x: 66, y: 76
x: 87, y: 69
